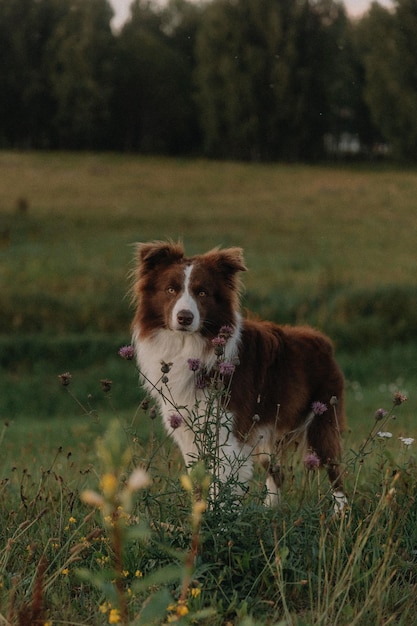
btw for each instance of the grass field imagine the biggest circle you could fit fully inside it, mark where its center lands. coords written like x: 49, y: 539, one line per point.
x: 329, y: 246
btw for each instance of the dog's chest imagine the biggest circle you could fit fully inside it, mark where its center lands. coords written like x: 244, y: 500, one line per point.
x: 164, y: 366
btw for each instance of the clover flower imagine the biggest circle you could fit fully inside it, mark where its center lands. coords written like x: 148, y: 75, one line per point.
x: 319, y: 408
x: 311, y: 461
x: 194, y: 364
x: 175, y: 420
x: 127, y: 352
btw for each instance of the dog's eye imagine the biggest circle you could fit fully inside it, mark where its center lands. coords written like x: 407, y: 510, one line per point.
x: 171, y: 290
x: 202, y: 293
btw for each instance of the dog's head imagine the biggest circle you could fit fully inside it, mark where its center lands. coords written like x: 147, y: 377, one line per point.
x: 187, y: 295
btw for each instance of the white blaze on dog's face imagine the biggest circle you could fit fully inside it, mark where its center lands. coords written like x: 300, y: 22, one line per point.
x: 185, y: 315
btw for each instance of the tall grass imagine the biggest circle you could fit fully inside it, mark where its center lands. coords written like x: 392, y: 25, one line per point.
x: 170, y: 553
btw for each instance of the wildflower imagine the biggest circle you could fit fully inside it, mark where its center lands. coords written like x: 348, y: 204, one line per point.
x: 195, y: 592
x: 125, y: 573
x: 103, y: 608
x: 194, y: 364
x: 175, y: 420
x: 108, y: 484
x: 186, y: 482
x: 65, y: 379
x: 165, y: 367
x: 138, y: 574
x: 334, y: 401
x: 226, y: 331
x: 384, y: 435
x: 407, y: 441
x: 202, y: 381
x: 144, y: 405
x: 182, y: 609
x: 399, y: 398
x: 380, y: 414
x: 319, y: 408
x: 311, y: 461
x: 256, y: 418
x: 218, y: 344
x: 65, y: 571
x: 127, y: 352
x: 152, y: 413
x: 226, y: 368
x: 138, y: 479
x: 72, y: 520
x: 114, y: 616
x: 92, y: 498
x: 106, y: 384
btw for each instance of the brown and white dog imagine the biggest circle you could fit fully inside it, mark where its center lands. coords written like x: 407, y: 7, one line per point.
x: 285, y: 385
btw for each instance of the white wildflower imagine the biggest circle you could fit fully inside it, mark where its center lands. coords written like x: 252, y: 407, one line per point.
x: 384, y: 435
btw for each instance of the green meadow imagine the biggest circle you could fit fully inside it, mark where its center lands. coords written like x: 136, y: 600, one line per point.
x: 334, y: 247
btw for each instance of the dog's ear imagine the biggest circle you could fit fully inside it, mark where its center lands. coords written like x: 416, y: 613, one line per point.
x: 228, y: 261
x: 159, y: 253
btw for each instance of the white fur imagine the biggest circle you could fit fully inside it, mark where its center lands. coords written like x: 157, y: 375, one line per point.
x: 180, y: 395
x: 186, y: 302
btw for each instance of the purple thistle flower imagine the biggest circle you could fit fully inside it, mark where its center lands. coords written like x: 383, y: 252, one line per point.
x: 194, y: 364
x: 226, y: 331
x: 319, y: 408
x: 202, y: 381
x: 175, y: 420
x: 127, y: 352
x: 311, y: 461
x: 380, y: 414
x: 218, y: 341
x: 399, y: 398
x: 226, y: 368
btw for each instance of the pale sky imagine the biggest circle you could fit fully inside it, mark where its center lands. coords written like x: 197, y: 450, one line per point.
x: 354, y: 8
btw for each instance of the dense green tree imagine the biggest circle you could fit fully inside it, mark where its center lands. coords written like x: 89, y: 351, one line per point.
x: 26, y: 104
x: 153, y: 110
x: 265, y: 72
x: 389, y: 51
x: 80, y: 52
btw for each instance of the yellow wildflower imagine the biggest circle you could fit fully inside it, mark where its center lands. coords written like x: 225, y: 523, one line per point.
x: 195, y: 592
x: 182, y: 609
x: 65, y: 571
x: 72, y: 520
x: 108, y: 485
x: 186, y: 482
x: 138, y: 574
x: 103, y: 608
x: 114, y: 616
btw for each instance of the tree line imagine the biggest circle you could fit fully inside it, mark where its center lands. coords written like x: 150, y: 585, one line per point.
x: 241, y: 79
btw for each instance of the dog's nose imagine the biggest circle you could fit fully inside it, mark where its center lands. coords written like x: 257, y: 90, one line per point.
x: 185, y: 317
